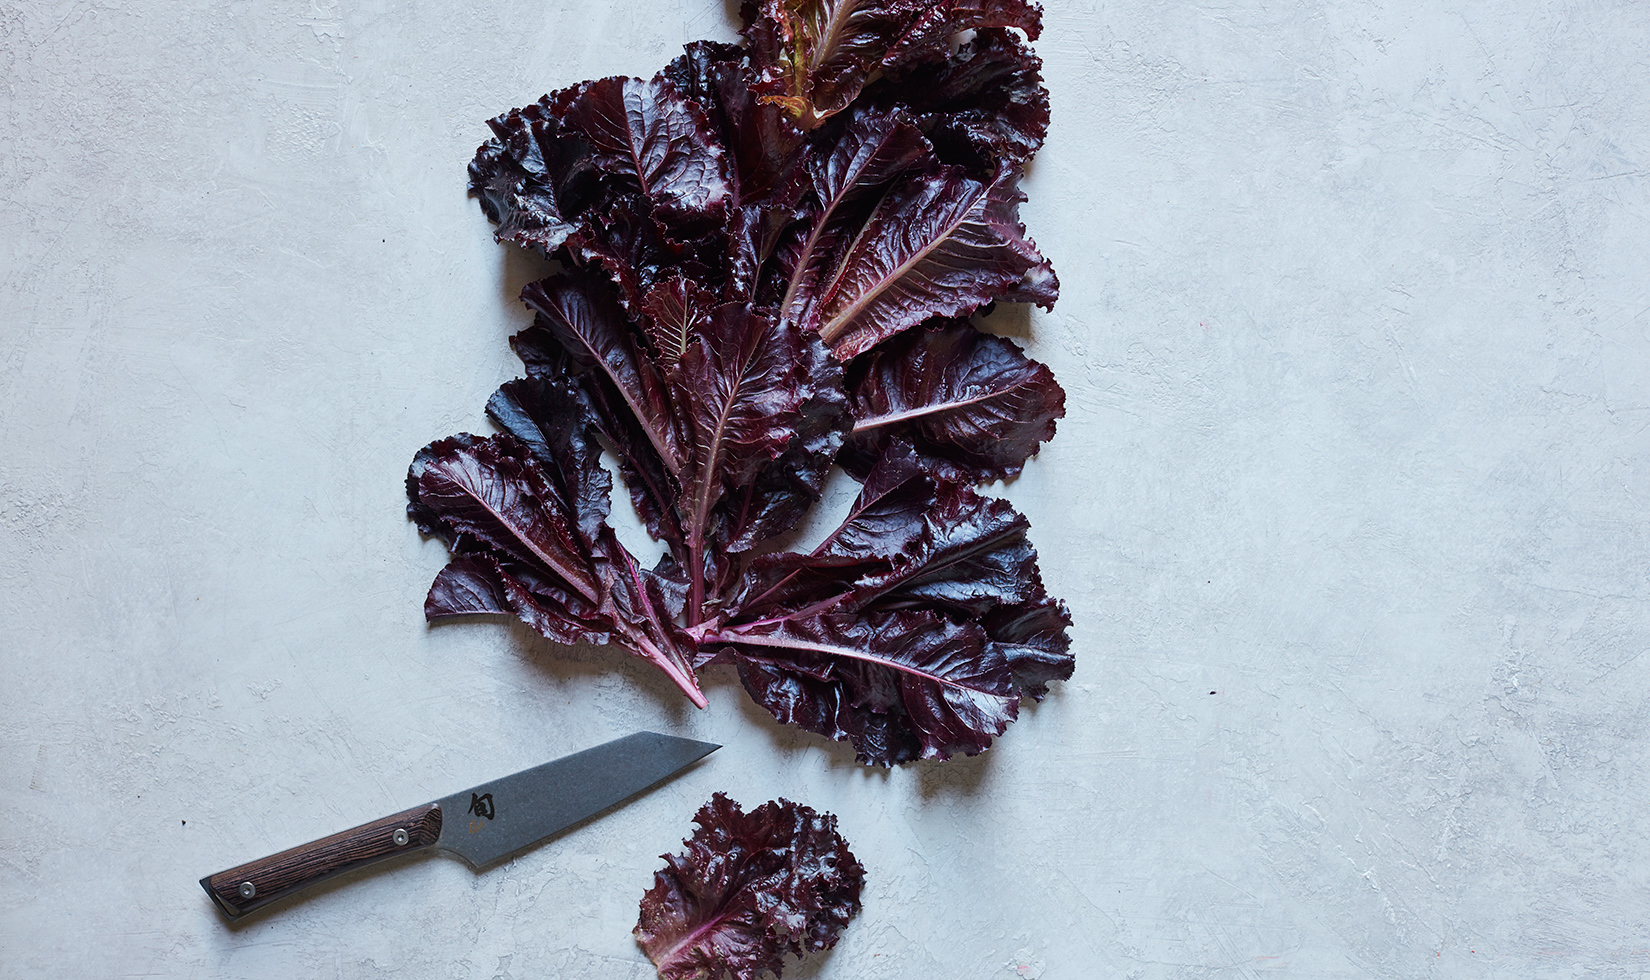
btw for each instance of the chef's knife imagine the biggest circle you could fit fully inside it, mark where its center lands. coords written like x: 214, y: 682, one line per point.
x: 481, y: 825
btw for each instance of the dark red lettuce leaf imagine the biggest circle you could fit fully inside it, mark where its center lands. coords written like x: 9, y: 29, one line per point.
x: 762, y: 139
x: 645, y: 473
x: 646, y: 134
x: 984, y: 108
x: 545, y: 413
x: 628, y: 242
x: 533, y: 181
x: 886, y: 517
x: 646, y: 605
x: 756, y: 234
x: 884, y: 521
x: 491, y: 495
x: 672, y: 312
x: 868, y: 150
x: 938, y: 244
x: 913, y: 630
x: 748, y: 889
x: 899, y: 685
x: 479, y: 584
x: 1032, y: 636
x: 971, y: 401
x: 816, y: 55
x: 767, y: 152
x: 784, y: 491
x: 519, y: 549
x: 971, y: 556
x: 1039, y: 285
x: 778, y: 585
x: 580, y: 312
x: 548, y: 417
x: 927, y: 35
x: 739, y: 375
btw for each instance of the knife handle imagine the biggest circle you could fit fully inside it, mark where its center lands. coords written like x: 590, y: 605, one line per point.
x: 257, y: 883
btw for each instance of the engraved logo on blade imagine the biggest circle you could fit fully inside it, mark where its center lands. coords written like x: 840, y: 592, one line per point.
x: 481, y: 806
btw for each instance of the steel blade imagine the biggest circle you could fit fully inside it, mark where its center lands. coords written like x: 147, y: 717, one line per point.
x: 494, y: 820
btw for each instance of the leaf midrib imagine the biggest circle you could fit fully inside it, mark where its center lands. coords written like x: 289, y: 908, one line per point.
x: 834, y: 329
x: 933, y: 409
x: 782, y: 642
x: 574, y: 580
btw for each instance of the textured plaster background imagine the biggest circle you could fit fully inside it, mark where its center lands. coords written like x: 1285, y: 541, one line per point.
x: 1350, y: 505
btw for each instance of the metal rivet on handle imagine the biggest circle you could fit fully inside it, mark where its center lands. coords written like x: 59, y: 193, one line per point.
x: 400, y: 838
x: 247, y: 889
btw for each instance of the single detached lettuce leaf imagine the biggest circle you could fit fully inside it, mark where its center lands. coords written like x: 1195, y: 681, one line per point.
x: 765, y: 256
x: 748, y: 889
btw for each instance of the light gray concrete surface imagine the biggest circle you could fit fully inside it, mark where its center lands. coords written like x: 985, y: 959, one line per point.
x: 1350, y: 505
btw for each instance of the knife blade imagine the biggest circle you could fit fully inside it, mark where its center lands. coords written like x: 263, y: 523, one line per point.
x: 482, y: 825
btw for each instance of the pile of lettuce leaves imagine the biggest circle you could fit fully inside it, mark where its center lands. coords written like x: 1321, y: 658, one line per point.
x: 767, y: 256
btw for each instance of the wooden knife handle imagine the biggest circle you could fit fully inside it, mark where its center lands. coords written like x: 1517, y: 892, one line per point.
x: 257, y: 883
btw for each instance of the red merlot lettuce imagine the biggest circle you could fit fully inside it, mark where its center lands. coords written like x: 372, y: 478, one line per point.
x: 749, y: 889
x: 767, y: 255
